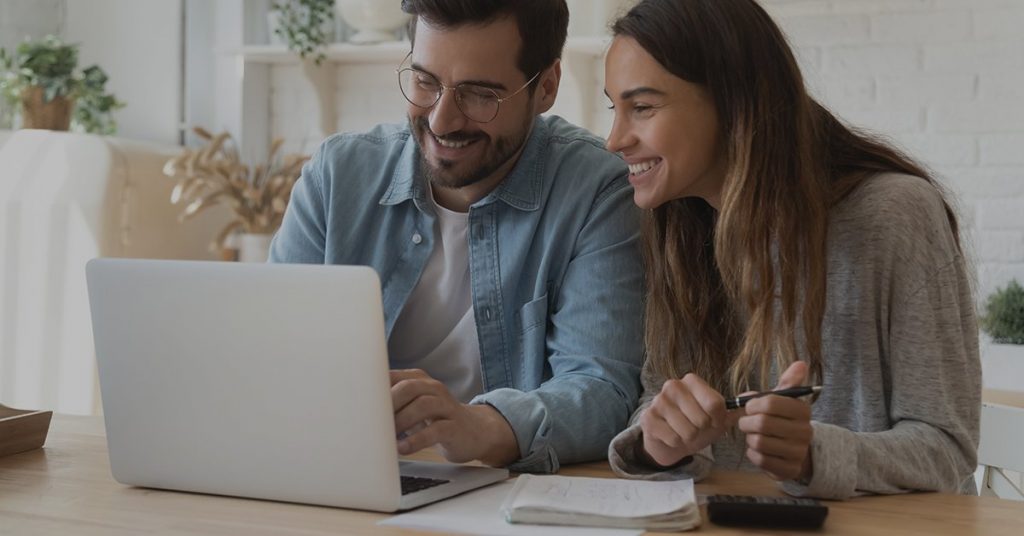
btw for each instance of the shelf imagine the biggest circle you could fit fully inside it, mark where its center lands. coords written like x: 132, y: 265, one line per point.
x: 392, y: 52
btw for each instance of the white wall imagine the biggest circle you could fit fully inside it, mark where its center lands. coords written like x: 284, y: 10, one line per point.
x: 139, y: 44
x: 945, y: 80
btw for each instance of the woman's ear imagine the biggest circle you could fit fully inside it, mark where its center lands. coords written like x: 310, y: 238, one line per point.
x: 547, y: 88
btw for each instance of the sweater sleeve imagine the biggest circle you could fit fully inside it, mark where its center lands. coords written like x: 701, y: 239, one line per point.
x: 933, y: 404
x: 625, y: 453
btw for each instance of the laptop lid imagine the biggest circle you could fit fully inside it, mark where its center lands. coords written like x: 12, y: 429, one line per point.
x: 254, y: 380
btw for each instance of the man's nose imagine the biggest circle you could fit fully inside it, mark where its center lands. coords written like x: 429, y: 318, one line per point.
x: 446, y: 117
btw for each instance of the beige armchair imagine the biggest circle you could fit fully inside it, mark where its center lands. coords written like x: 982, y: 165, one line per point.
x: 64, y: 199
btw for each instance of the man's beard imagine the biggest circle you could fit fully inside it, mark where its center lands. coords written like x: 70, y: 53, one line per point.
x: 496, y: 154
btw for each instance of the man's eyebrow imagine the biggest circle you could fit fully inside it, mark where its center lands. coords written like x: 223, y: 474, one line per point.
x: 482, y: 83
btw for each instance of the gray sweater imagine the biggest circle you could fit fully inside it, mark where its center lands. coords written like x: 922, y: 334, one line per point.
x: 902, y: 396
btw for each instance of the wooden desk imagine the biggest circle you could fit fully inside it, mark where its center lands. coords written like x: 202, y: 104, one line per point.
x: 1014, y: 399
x: 66, y: 488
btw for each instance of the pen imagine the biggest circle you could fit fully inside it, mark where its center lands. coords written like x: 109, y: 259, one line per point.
x: 792, y: 392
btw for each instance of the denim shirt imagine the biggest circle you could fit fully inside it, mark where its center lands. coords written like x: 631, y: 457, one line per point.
x: 554, y: 266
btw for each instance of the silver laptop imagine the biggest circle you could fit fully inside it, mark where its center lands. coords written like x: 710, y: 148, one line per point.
x: 255, y: 380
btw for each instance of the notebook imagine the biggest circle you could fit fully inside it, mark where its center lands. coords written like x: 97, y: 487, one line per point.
x: 255, y: 380
x: 602, y: 502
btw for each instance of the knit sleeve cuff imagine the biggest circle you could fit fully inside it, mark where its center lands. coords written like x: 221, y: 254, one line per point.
x: 625, y: 456
x: 834, y: 464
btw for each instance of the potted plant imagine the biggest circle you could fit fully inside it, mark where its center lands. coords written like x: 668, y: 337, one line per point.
x: 1003, y: 321
x: 213, y: 175
x: 305, y: 25
x: 42, y: 78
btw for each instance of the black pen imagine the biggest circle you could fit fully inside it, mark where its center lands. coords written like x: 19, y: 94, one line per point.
x: 792, y: 392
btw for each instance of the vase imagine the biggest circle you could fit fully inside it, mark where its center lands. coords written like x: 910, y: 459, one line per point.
x: 375, y: 21
x: 39, y: 114
x: 254, y: 247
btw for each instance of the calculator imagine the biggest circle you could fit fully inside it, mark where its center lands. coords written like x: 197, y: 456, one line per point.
x: 771, y: 512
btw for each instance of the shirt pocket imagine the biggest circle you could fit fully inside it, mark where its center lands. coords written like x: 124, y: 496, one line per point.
x: 533, y: 319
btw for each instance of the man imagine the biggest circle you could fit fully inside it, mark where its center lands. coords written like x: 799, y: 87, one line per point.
x: 505, y: 243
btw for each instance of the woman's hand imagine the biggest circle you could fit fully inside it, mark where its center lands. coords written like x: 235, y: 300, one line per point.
x: 686, y: 416
x: 779, y: 430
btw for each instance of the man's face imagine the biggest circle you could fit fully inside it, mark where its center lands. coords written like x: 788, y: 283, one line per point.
x: 457, y: 151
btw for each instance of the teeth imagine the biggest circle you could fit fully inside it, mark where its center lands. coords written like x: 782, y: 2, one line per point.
x: 637, y: 169
x: 451, y: 144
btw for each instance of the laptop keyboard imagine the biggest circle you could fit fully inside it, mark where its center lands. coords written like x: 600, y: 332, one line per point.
x: 412, y: 484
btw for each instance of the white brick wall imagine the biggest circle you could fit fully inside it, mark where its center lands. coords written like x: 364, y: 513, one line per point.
x: 944, y: 79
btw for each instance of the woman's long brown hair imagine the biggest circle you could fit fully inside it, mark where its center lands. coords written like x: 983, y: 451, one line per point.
x: 729, y: 292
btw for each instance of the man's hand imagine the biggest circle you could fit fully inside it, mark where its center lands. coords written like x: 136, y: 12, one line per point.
x: 686, y: 416
x: 428, y: 415
x: 779, y: 430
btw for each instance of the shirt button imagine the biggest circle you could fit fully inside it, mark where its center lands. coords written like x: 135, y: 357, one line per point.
x: 417, y: 238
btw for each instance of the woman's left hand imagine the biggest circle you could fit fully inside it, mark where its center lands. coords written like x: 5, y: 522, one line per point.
x: 779, y: 430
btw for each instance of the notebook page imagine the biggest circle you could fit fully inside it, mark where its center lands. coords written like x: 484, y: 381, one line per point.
x: 601, y: 496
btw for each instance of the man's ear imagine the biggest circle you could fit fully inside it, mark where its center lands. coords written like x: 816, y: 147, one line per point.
x: 547, y: 88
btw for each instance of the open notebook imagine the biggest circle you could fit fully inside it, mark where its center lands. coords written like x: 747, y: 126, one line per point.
x: 602, y: 502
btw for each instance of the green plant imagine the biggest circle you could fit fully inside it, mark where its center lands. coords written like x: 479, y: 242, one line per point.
x: 1004, y: 314
x: 304, y: 24
x: 51, y: 65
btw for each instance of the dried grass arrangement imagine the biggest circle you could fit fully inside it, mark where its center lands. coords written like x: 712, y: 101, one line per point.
x: 213, y: 174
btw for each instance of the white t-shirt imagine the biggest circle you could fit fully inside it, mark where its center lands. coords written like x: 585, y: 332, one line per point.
x: 436, y: 330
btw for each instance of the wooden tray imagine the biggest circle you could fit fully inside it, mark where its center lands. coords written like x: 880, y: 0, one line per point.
x: 22, y: 429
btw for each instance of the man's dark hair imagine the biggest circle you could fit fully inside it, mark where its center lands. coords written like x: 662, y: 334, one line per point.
x: 543, y: 24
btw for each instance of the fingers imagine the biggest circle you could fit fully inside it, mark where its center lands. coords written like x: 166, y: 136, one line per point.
x: 773, y: 426
x: 794, y: 376
x: 683, y: 418
x: 423, y: 409
x: 404, y: 391
x: 779, y: 406
x: 673, y: 430
x: 418, y: 398
x: 777, y: 468
x: 398, y: 375
x: 776, y: 447
x: 709, y: 401
x: 426, y: 437
x: 778, y: 439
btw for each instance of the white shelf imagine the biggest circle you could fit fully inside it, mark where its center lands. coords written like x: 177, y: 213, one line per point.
x: 336, y: 53
x: 392, y: 52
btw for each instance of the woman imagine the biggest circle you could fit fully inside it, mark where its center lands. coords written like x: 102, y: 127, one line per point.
x: 779, y: 240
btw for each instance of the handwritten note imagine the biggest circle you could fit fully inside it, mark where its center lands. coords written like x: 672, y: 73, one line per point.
x: 601, y: 496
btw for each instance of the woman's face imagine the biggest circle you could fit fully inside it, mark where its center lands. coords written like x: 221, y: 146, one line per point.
x: 665, y: 127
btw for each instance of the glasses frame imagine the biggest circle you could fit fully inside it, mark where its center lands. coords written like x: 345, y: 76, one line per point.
x: 440, y: 92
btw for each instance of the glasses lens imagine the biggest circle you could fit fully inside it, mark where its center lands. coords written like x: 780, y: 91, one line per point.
x: 419, y: 88
x: 478, y: 103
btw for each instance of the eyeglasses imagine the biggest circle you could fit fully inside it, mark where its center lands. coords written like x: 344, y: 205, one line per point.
x: 478, y: 103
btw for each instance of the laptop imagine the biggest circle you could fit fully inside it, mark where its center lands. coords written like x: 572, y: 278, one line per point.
x: 267, y: 381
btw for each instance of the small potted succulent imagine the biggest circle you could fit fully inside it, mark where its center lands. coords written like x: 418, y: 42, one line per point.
x: 1003, y: 321
x: 41, y: 80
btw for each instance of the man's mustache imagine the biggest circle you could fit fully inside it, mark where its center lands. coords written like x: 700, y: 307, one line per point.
x: 457, y: 136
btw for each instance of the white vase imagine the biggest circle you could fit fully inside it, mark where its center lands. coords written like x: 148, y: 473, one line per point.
x: 1002, y: 366
x: 254, y: 247
x: 375, y: 21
